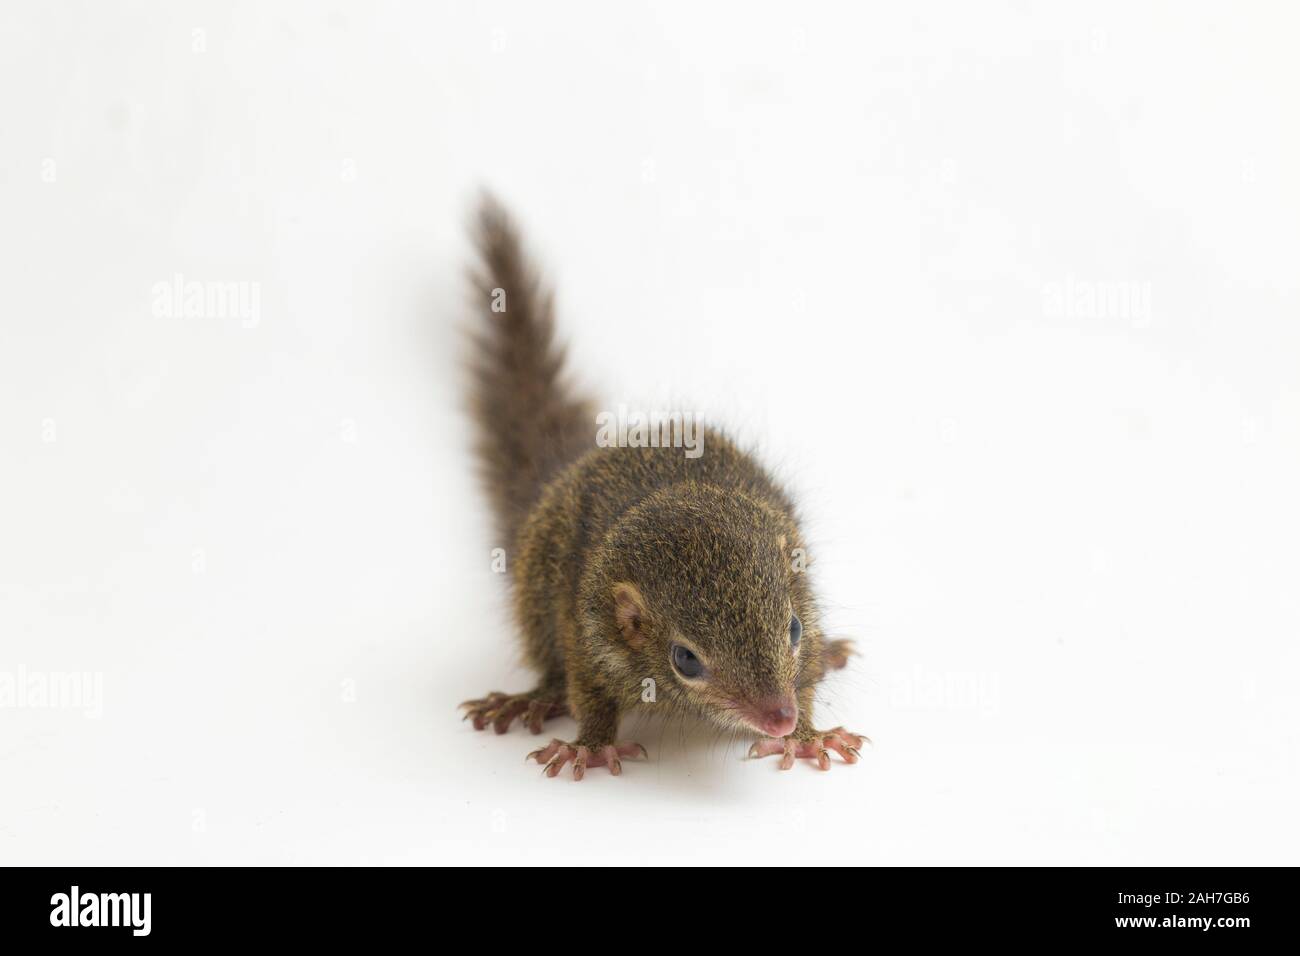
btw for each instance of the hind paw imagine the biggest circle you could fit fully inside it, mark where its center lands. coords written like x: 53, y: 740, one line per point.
x: 500, y: 710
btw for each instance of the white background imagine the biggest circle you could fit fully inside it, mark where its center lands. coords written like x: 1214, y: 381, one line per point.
x: 1065, y: 536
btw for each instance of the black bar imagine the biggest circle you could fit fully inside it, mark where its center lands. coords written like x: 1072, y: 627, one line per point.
x: 334, y: 905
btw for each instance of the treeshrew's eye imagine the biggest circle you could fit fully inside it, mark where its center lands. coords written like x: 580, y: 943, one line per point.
x: 687, y: 664
x: 796, y: 630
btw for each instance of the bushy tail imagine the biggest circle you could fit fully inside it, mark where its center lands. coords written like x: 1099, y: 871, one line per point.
x: 530, y: 422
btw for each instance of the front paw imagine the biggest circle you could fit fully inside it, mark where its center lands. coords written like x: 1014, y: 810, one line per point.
x: 812, y: 745
x: 557, y: 753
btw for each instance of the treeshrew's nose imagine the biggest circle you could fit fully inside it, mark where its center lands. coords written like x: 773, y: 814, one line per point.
x: 777, y: 718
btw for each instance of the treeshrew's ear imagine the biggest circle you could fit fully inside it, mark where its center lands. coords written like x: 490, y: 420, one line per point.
x: 630, y: 613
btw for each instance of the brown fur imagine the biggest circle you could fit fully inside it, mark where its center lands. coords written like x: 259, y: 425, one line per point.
x: 618, y: 553
x: 531, y: 424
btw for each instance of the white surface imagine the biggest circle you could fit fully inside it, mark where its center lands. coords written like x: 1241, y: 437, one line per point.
x: 1066, y: 541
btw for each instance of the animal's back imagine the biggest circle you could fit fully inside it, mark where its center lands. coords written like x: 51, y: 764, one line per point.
x: 584, y: 501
